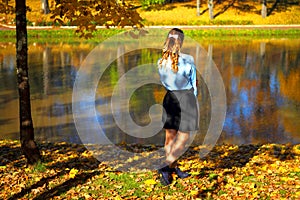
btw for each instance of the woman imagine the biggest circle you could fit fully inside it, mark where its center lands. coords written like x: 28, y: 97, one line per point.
x: 178, y: 75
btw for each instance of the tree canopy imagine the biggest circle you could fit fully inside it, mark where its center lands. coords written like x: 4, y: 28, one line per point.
x: 86, y: 15
x: 6, y: 8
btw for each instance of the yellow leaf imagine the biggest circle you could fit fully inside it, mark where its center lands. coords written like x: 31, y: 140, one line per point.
x: 86, y: 196
x: 254, y: 194
x: 150, y: 182
x: 231, y: 180
x: 136, y: 158
x: 238, y: 188
x: 118, y: 198
x: 252, y: 185
x: 118, y: 186
x: 260, y: 177
x: 73, y: 173
x: 194, y: 173
x: 286, y: 179
x: 85, y: 154
x: 148, y: 189
x: 184, y: 167
x: 194, y: 192
x: 109, y: 22
x: 233, y: 148
x: 264, y: 168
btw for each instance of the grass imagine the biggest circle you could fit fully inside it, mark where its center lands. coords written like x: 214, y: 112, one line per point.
x: 39, y: 168
x: 58, y: 35
x: 69, y: 36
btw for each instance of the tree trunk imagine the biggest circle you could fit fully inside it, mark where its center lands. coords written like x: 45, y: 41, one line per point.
x: 46, y: 56
x: 264, y: 9
x: 211, y: 9
x: 28, y: 145
x: 198, y: 7
x: 45, y: 7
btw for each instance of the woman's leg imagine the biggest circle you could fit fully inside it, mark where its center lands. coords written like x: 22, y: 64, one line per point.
x: 170, y: 139
x: 177, y: 150
x: 166, y: 172
x: 174, y: 147
x: 177, y: 147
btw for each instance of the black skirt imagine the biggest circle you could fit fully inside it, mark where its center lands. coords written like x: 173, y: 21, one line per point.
x: 181, y: 110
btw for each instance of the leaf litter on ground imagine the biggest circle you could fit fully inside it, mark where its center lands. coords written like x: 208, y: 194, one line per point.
x: 70, y: 171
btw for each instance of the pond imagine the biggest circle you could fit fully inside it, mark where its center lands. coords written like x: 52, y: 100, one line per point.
x: 261, y: 78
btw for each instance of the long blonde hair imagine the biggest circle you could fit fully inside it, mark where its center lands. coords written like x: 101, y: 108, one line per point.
x: 172, y: 47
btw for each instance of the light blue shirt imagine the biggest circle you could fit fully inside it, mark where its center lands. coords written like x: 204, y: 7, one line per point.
x: 184, y: 79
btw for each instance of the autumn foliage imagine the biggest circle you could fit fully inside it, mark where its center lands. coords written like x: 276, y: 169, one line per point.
x: 88, y: 14
x: 69, y: 171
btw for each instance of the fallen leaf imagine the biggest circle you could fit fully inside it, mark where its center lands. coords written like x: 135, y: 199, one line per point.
x: 150, y: 182
x: 73, y: 173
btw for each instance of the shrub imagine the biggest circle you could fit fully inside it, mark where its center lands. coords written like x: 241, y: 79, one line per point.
x: 148, y: 3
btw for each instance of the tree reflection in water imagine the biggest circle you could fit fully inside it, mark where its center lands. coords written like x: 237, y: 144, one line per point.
x: 261, y: 78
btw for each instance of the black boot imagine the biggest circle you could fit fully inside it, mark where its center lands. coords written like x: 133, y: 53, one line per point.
x: 180, y: 173
x: 166, y: 177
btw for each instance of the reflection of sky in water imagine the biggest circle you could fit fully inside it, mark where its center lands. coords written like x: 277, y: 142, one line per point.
x: 246, y: 105
x: 234, y: 86
x: 275, y: 89
x: 274, y: 85
x: 231, y: 124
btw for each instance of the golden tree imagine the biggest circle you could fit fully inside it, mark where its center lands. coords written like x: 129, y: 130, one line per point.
x: 87, y: 15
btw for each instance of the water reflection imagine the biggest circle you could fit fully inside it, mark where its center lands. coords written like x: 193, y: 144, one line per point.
x: 52, y: 73
x: 262, y: 81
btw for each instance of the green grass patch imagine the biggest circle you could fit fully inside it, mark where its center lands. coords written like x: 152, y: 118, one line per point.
x: 213, y: 176
x: 247, y: 179
x: 69, y: 36
x: 243, y: 32
x: 39, y: 167
x: 59, y: 35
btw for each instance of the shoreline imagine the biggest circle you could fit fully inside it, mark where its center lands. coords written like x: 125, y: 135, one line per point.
x: 197, y: 27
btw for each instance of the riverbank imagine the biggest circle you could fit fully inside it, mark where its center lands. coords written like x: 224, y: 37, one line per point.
x: 67, y: 34
x: 68, y: 171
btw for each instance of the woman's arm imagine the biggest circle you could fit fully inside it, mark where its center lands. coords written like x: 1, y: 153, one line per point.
x: 194, y: 79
